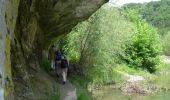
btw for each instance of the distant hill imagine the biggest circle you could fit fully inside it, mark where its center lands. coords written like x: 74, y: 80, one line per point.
x: 157, y: 13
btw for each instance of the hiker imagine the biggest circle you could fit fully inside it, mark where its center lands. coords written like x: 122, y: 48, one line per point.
x: 51, y: 56
x: 57, y: 62
x: 64, y: 68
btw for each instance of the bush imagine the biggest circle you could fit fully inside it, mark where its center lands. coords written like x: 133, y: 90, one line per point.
x: 144, y: 49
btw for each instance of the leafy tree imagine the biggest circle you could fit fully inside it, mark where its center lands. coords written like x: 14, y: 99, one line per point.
x: 144, y: 49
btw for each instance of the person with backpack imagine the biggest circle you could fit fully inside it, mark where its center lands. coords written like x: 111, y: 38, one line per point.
x: 57, y: 62
x: 51, y: 56
x: 64, y: 68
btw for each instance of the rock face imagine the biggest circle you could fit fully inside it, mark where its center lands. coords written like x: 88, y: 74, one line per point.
x: 8, y: 16
x: 27, y: 27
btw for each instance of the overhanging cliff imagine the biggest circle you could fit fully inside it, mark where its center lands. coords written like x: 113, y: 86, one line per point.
x: 29, y: 26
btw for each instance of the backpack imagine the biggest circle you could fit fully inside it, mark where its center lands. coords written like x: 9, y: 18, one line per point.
x: 58, y: 56
x: 64, y: 63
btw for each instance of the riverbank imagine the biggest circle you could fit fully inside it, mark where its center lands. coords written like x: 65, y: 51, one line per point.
x: 138, y: 84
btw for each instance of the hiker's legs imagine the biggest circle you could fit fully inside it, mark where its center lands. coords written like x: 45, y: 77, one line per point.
x: 57, y: 67
x: 52, y: 64
x: 64, y: 74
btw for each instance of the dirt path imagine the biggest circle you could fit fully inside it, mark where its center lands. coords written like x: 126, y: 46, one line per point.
x: 67, y: 92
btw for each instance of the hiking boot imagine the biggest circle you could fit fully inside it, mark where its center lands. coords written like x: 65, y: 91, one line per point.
x: 64, y: 83
x: 57, y: 75
x: 50, y: 69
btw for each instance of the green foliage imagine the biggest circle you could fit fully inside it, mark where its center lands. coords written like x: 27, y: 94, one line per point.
x: 123, y: 68
x: 82, y: 97
x: 72, y: 44
x: 144, y: 49
x: 97, y: 43
x: 55, y: 97
x: 82, y: 92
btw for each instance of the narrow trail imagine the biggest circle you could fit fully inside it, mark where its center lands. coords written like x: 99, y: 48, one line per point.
x: 67, y: 92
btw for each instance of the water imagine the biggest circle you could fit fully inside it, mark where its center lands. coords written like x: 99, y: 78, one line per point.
x: 162, y: 80
x: 115, y: 94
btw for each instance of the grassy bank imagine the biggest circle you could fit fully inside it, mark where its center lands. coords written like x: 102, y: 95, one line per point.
x: 81, y: 87
x: 161, y: 78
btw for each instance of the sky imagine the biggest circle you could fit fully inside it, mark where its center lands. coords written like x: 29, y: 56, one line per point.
x: 121, y: 2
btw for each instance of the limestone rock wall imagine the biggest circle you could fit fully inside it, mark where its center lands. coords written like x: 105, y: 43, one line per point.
x: 2, y: 48
x: 8, y: 16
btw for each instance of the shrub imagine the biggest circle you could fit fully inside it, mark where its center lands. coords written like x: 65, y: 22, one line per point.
x: 144, y: 49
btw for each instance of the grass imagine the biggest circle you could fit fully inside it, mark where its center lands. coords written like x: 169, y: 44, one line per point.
x: 161, y: 78
x: 54, y: 97
x: 82, y: 92
x: 82, y: 95
x: 124, y: 69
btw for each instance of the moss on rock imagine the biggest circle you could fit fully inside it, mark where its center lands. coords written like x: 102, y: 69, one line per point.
x: 7, y: 70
